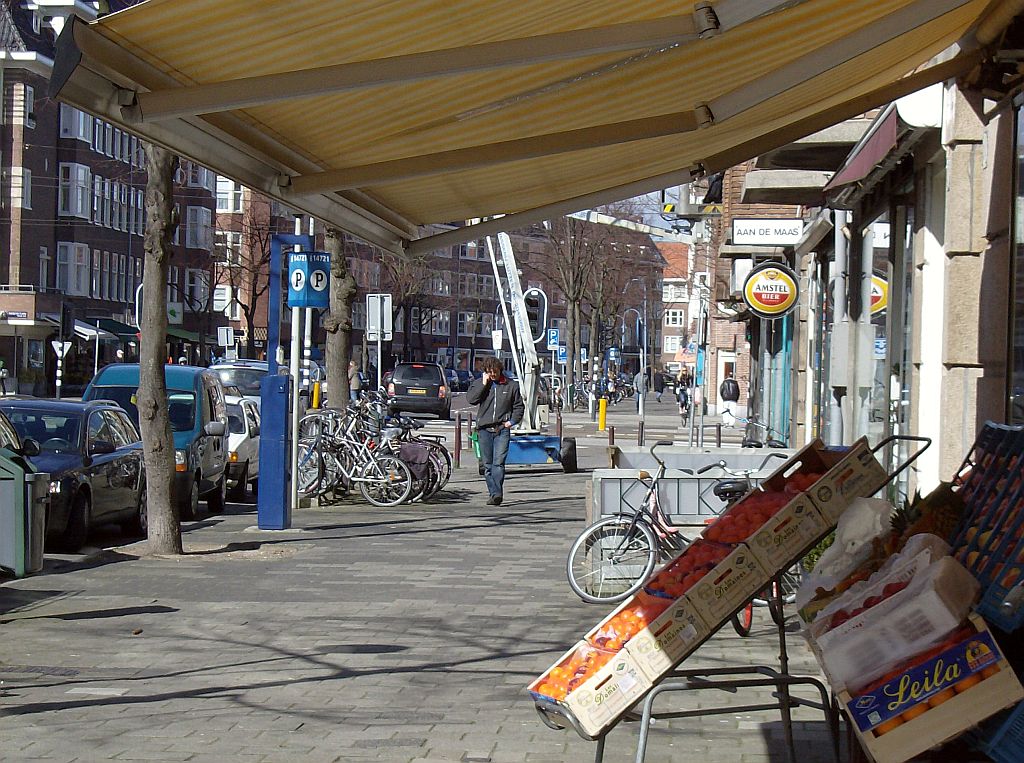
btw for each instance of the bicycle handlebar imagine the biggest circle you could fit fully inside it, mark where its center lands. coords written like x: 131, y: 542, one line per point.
x: 655, y: 456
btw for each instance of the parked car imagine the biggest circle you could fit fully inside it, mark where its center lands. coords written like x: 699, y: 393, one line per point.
x: 420, y: 388
x: 245, y: 375
x: 243, y: 464
x: 93, y: 454
x: 195, y: 403
x: 465, y: 378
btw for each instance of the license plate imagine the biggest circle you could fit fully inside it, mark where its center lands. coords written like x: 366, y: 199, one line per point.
x: 417, y: 392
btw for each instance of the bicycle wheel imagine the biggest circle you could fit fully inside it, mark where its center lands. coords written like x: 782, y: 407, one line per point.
x: 310, y: 468
x: 385, y: 481
x: 743, y: 620
x: 611, y: 560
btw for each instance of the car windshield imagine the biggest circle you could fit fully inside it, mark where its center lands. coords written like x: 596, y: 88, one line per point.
x: 236, y: 419
x: 55, y: 432
x: 181, y: 405
x: 416, y: 373
x: 246, y: 379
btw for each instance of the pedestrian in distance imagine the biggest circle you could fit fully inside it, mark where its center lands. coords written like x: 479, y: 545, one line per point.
x: 729, y: 391
x: 659, y: 385
x: 500, y: 408
x: 355, y: 384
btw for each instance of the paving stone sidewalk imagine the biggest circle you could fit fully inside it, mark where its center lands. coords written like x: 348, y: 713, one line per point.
x: 366, y: 634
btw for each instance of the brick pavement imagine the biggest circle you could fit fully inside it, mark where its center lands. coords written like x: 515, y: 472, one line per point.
x: 366, y: 635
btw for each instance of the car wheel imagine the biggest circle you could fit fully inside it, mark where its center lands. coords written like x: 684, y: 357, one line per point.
x: 215, y: 501
x: 188, y: 508
x: 238, y: 491
x: 138, y: 524
x: 79, y: 519
x: 446, y: 414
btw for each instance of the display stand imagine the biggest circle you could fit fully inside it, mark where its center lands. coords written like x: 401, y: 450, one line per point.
x: 727, y: 678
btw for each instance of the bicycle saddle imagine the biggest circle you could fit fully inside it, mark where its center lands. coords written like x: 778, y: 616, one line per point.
x: 727, y: 489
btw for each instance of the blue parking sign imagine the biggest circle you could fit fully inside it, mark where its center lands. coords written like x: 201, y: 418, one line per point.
x: 309, y: 275
x: 563, y: 354
x: 552, y: 339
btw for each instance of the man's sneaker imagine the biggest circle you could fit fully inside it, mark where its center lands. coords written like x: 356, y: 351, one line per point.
x: 494, y: 500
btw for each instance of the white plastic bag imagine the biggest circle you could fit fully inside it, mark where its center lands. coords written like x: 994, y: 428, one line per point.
x: 863, y: 521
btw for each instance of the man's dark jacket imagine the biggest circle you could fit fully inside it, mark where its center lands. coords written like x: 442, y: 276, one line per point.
x: 499, y: 401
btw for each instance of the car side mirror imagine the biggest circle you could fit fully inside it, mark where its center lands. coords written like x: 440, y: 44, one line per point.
x: 255, y: 431
x: 101, y: 447
x: 30, y: 447
x: 214, y: 429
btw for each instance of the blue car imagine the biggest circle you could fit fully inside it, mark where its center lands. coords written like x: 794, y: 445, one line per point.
x: 196, y: 406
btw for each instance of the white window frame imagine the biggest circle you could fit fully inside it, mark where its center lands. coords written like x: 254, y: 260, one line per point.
x: 29, y: 106
x: 75, y: 190
x: 74, y: 259
x: 198, y: 227
x: 229, y: 195
x: 21, y: 187
x: 672, y: 342
x: 105, y: 277
x: 197, y: 285
x: 44, y: 267
x: 75, y: 124
x: 97, y: 257
x: 675, y: 318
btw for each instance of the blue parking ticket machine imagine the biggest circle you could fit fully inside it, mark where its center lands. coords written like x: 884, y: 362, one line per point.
x: 272, y: 506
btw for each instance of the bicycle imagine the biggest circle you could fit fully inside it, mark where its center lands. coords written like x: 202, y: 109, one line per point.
x: 730, y: 491
x: 613, y: 558
x: 751, y: 441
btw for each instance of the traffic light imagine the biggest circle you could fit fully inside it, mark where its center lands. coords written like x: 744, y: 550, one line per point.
x: 536, y: 313
x: 67, y: 321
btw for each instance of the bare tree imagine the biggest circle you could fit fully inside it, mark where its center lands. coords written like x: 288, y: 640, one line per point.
x: 338, y: 321
x: 157, y: 444
x: 409, y: 278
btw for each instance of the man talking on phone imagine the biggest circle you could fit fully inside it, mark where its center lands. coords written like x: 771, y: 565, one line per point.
x: 501, y: 408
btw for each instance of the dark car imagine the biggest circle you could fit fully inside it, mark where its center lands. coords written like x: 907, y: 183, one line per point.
x: 451, y: 378
x: 93, y: 454
x: 420, y: 388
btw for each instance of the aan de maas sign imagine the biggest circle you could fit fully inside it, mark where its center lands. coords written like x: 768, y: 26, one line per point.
x: 771, y: 290
x: 767, y: 231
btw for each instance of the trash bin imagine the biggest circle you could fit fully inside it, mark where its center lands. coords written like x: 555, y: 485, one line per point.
x: 37, y: 498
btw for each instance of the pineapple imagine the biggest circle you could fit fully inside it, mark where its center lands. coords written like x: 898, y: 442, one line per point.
x: 939, y: 513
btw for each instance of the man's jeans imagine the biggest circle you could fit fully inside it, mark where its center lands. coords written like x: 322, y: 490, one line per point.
x: 493, y: 451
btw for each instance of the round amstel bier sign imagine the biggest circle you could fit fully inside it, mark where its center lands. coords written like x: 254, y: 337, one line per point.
x: 879, y: 294
x: 771, y: 290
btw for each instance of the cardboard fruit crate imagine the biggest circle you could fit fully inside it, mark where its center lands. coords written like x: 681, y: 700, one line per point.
x: 928, y: 698
x: 788, y: 534
x: 672, y: 637
x: 729, y: 585
x: 853, y: 473
x: 598, y: 702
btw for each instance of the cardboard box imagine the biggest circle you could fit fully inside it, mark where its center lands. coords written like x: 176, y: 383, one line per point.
x: 788, y: 535
x: 942, y: 722
x: 669, y: 639
x: 899, y: 627
x: 856, y: 474
x: 599, y: 701
x: 729, y: 585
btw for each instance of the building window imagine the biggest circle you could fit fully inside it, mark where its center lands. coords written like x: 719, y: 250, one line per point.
x: 229, y: 248
x: 73, y: 268
x: 75, y: 190
x: 675, y: 317
x: 229, y: 195
x: 441, y: 284
x: 440, y: 323
x: 105, y: 274
x: 672, y: 343
x: 172, y: 284
x: 97, y: 135
x: 44, y: 267
x: 115, y: 278
x: 29, y: 106
x: 467, y: 324
x: 75, y: 124
x: 124, y: 207
x: 359, y: 315
x: 21, y: 187
x: 96, y: 259
x: 108, y: 139
x: 486, y: 325
x: 196, y: 289
x: 176, y: 237
x: 198, y: 228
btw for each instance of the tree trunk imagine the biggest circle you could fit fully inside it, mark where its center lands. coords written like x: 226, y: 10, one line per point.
x: 595, y: 337
x: 572, y: 351
x: 157, y: 445
x: 339, y: 322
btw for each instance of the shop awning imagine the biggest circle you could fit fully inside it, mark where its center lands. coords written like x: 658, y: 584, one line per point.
x: 380, y: 117
x: 178, y: 333
x: 122, y: 330
x: 90, y: 331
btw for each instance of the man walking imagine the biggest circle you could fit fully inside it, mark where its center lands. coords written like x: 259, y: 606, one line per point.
x: 500, y: 408
x: 659, y: 385
x: 729, y: 392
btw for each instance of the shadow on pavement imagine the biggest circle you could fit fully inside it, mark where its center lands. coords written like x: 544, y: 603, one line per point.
x: 98, y: 613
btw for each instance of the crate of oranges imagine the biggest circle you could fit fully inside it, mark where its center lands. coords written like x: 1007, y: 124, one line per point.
x: 933, y: 697
x: 595, y: 686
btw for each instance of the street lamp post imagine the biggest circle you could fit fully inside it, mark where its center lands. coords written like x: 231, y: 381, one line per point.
x: 642, y: 337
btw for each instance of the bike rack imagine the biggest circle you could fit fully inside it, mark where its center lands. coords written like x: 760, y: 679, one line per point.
x: 681, y: 680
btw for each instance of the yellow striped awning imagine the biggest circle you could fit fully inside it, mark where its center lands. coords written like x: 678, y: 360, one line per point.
x: 382, y: 117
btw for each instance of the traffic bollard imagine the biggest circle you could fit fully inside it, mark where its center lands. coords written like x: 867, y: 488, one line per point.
x: 611, y: 436
x: 558, y: 423
x: 602, y: 414
x: 457, y: 452
x: 640, y: 433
